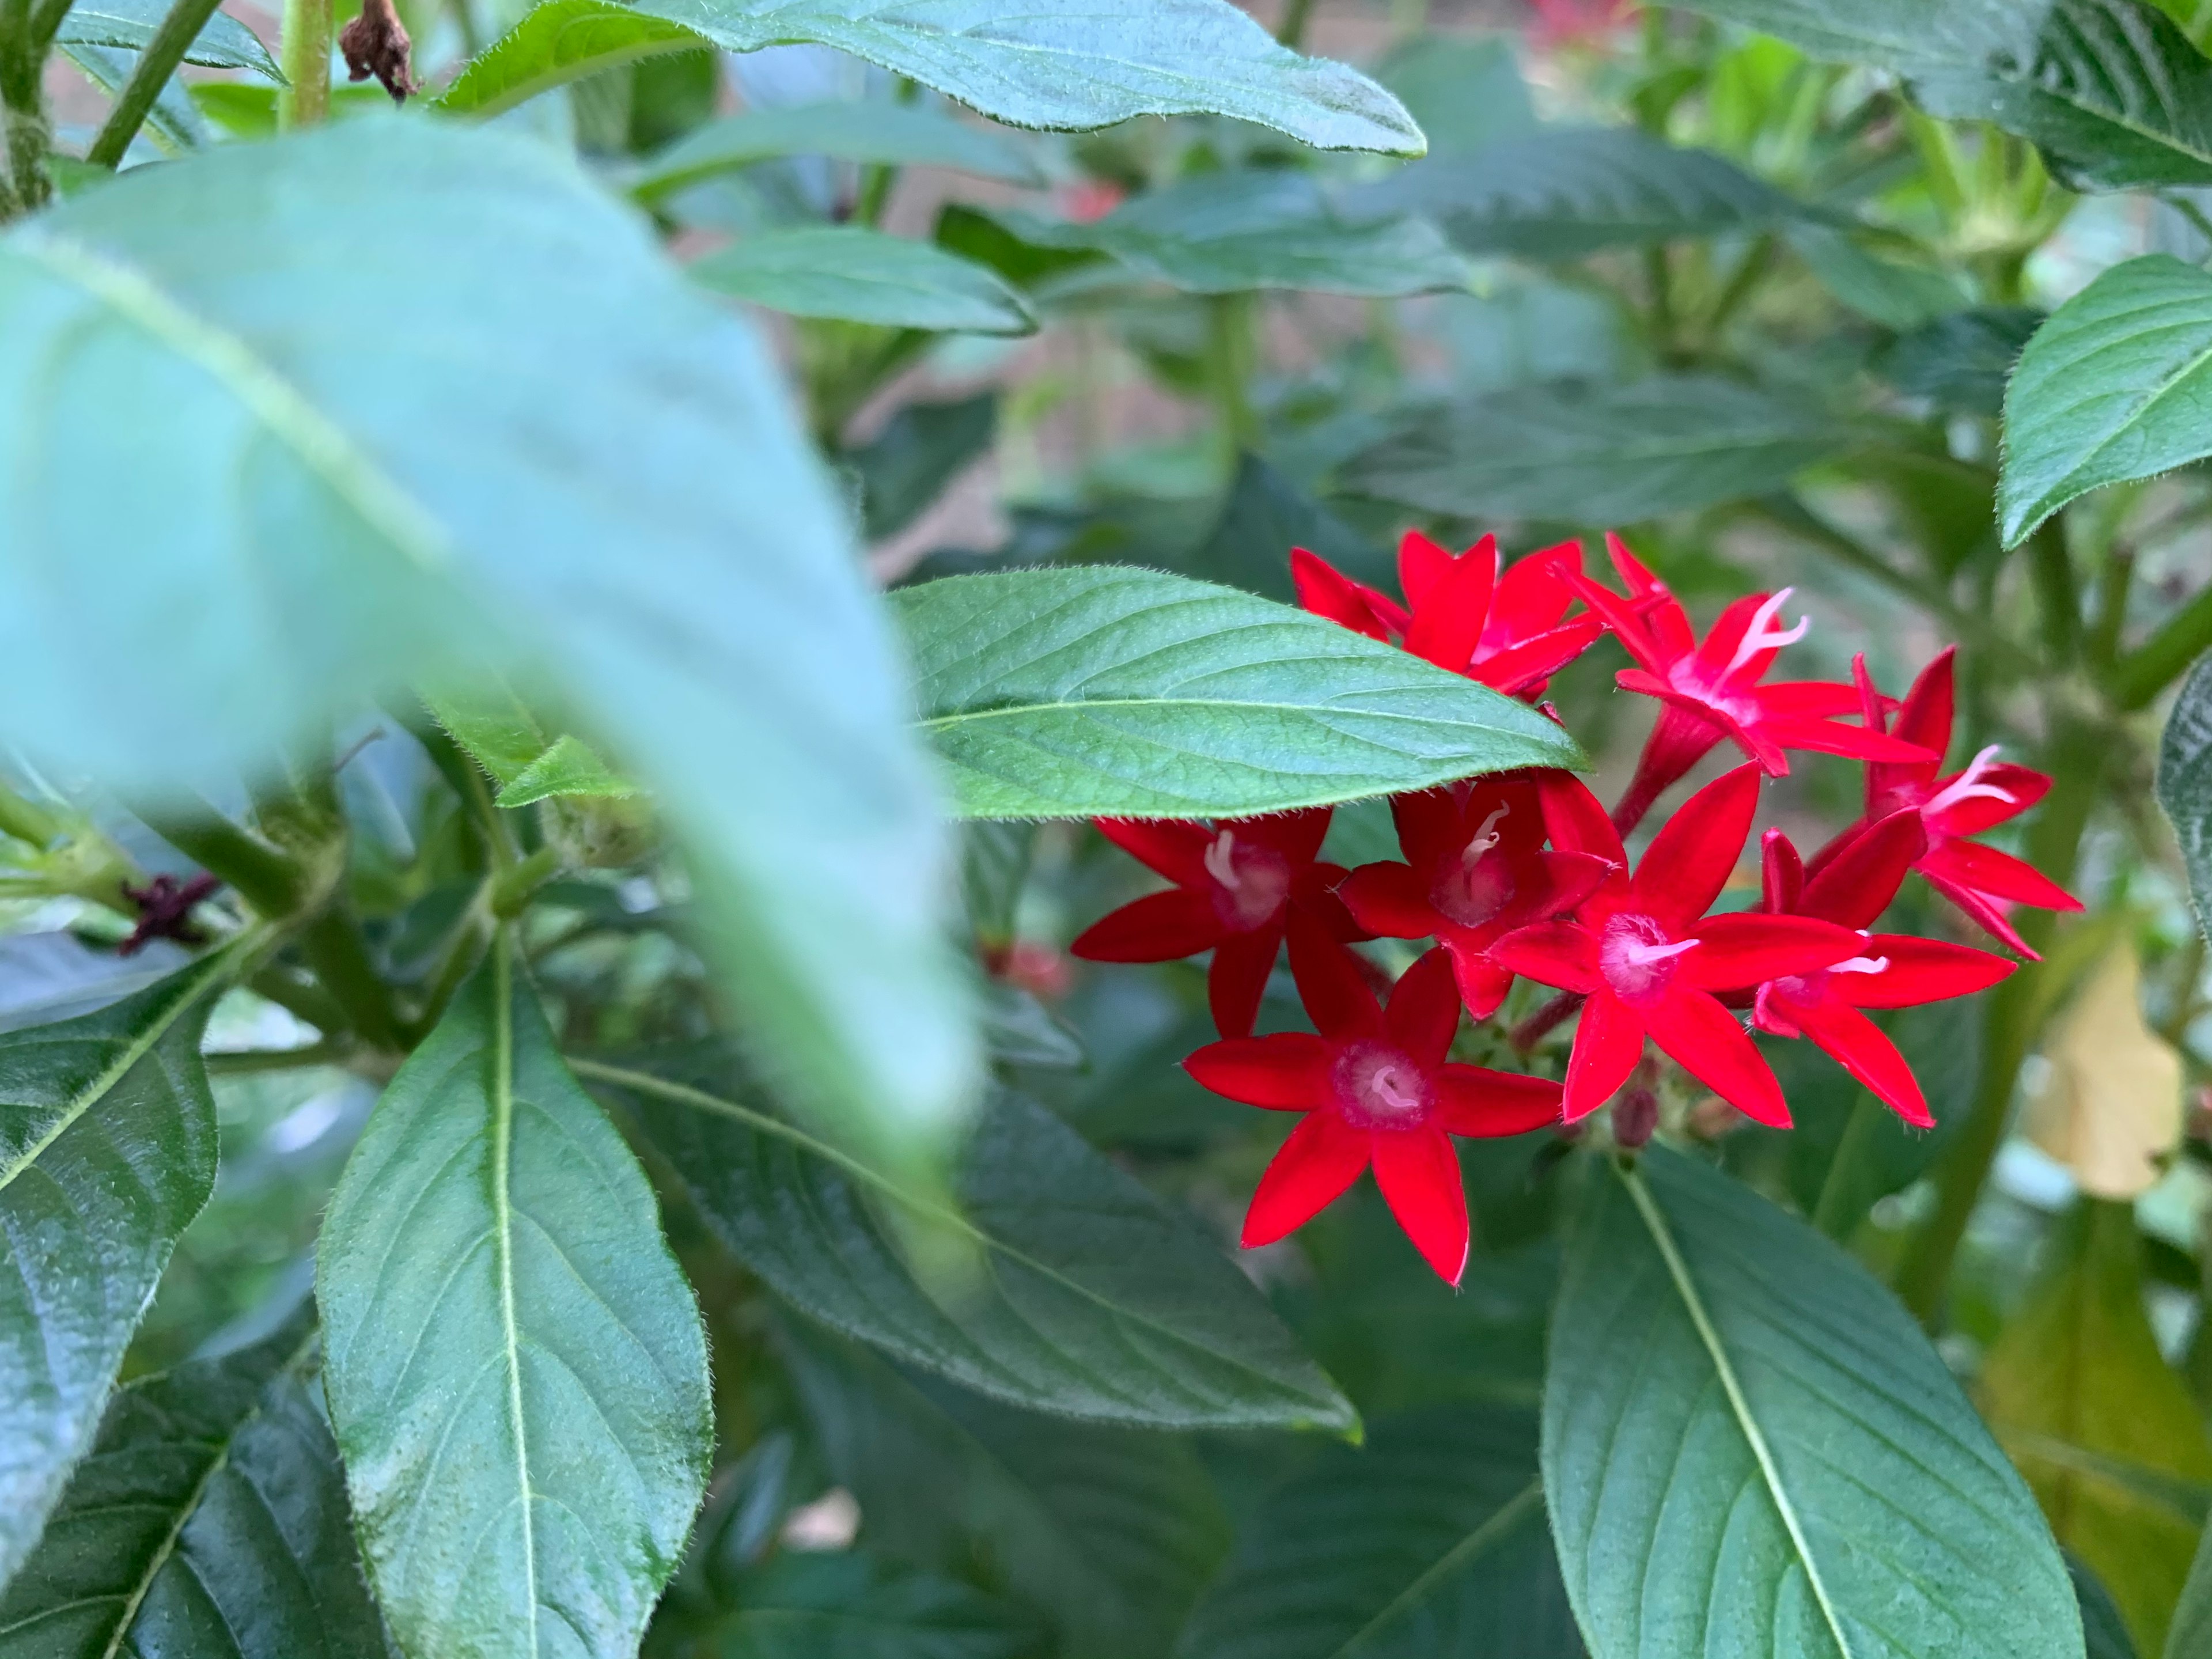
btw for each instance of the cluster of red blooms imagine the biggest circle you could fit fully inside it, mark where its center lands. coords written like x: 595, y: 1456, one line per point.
x: 1525, y: 875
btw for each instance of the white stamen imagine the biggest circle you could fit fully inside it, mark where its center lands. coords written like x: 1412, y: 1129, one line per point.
x: 1484, y: 839
x: 1968, y: 785
x: 1762, y: 632
x: 1219, y: 859
x: 1862, y: 965
x: 1635, y: 953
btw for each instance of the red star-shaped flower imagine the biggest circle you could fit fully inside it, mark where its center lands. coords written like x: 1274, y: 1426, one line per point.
x: 1891, y: 970
x: 1649, y: 959
x: 1475, y: 869
x: 1234, y: 886
x: 1980, y: 880
x: 1376, y: 1089
x: 1711, y: 690
x: 1471, y: 615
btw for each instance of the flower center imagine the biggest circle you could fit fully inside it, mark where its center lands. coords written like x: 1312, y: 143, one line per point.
x: 1763, y: 634
x: 1637, y: 959
x: 1382, y: 1087
x: 1251, y: 880
x: 1968, y: 785
x: 1476, y: 888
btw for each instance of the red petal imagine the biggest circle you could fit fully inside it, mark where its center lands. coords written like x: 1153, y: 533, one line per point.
x: 1832, y: 738
x: 1424, y: 1013
x: 1920, y: 970
x: 1559, y: 953
x: 1533, y: 661
x: 1726, y: 633
x: 1159, y: 928
x: 1988, y: 913
x: 1173, y: 848
x: 1421, y: 565
x: 1418, y: 1173
x: 1689, y: 860
x: 1296, y: 836
x: 1237, y: 978
x: 1575, y: 819
x: 1705, y: 1040
x: 1977, y: 813
x: 1741, y: 951
x: 1449, y: 619
x: 1289, y: 1071
x: 1473, y: 1100
x: 1327, y: 591
x: 1323, y: 1156
x: 1330, y: 984
x: 1430, y: 826
x: 1532, y: 595
x: 1619, y: 617
x: 1678, y: 740
x: 1557, y: 885
x: 1483, y: 984
x: 1859, y: 882
x: 1389, y: 899
x: 1924, y: 717
x: 1985, y: 870
x: 1608, y: 1042
x: 1858, y: 1045
x: 1782, y: 873
x: 1812, y: 697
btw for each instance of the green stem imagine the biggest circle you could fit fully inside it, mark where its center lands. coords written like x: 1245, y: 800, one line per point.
x: 2141, y: 674
x: 876, y: 181
x: 306, y: 100
x: 2103, y: 646
x: 1292, y: 29
x: 1230, y: 357
x: 333, y: 946
x: 1741, y: 281
x: 1840, y: 1205
x: 23, y: 106
x: 245, y: 1063
x: 512, y: 891
x: 29, y: 822
x: 156, y: 63
x: 296, y: 993
x: 271, y: 881
x: 2057, y: 595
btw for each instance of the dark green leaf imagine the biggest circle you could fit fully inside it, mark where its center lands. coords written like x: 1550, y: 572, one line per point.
x: 847, y: 1607
x: 2190, y: 1636
x: 1465, y: 90
x: 1019, y: 1031
x: 1599, y: 455
x: 516, y: 1368
x: 1108, y: 1532
x: 210, y: 1519
x: 446, y: 502
x: 1101, y: 690
x: 1091, y: 1297
x: 128, y: 25
x: 173, y: 123
x: 2104, y: 1632
x: 921, y: 450
x: 2184, y: 783
x: 1429, y: 1539
x: 2112, y: 387
x: 1228, y: 233
x: 1896, y: 297
x: 499, y: 730
x: 107, y: 1148
x: 1786, y: 1467
x: 1893, y: 34
x: 1264, y: 516
x: 46, y: 977
x: 1961, y: 362
x: 558, y: 42
x: 871, y: 130
x: 863, y: 275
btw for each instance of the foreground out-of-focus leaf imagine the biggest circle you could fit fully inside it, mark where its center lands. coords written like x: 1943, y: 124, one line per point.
x: 861, y: 275
x: 309, y: 524
x: 210, y: 1518
x: 223, y: 42
x: 1103, y: 691
x: 2080, y: 1366
x: 107, y: 1148
x: 1787, y: 1467
x: 1092, y: 1298
x: 871, y: 130
x: 515, y: 1367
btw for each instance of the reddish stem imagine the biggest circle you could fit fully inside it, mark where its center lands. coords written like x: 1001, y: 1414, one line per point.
x: 1532, y: 1031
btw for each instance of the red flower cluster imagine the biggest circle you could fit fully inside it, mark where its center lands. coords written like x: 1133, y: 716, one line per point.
x: 1525, y: 875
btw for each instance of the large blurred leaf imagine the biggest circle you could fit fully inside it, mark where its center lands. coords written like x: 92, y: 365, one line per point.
x: 1895, y: 296
x: 866, y: 130
x: 210, y: 1519
x: 845, y: 1606
x: 1563, y: 194
x: 1092, y: 1297
x: 1428, y: 1541
x: 107, y: 1148
x: 1058, y: 64
x: 1787, y: 1467
x: 223, y: 42
x: 2113, y: 386
x: 1108, y: 1532
x: 861, y: 275
x: 516, y: 1368
x: 312, y: 519
x: 1076, y: 692
x: 1226, y: 232
x: 1465, y: 90
x: 1893, y: 34
x: 2080, y: 1366
x: 1599, y: 455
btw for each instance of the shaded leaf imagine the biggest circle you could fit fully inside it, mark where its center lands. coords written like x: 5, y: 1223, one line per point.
x: 223, y: 42
x: 506, y: 739
x: 1465, y: 90
x: 1961, y: 362
x: 46, y: 977
x: 863, y: 275
x: 871, y: 130
x: 922, y: 449
x: 1079, y: 692
x: 1264, y: 517
x: 2108, y: 1105
x: 2104, y: 1632
x: 2190, y: 1636
x: 173, y: 123
x: 2184, y: 784
x: 845, y: 1605
x: 558, y: 42
x: 1893, y: 295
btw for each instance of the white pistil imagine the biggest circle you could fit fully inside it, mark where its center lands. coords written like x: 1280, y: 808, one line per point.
x: 1220, y: 860
x: 1763, y: 633
x: 1968, y: 785
x: 1484, y: 839
x: 1862, y: 965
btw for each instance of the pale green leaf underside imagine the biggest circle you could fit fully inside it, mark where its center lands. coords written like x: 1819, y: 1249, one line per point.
x: 856, y: 274
x: 128, y: 25
x: 874, y: 132
x: 1106, y: 691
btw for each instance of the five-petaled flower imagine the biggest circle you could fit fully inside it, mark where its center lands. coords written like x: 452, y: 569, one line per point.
x: 1649, y: 958
x: 1376, y: 1089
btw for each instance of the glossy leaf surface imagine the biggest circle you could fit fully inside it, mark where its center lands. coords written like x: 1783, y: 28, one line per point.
x: 128, y: 25
x: 873, y: 131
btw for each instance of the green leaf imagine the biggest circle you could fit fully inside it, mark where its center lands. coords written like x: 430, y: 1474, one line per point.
x: 2184, y: 784
x: 2112, y: 387
x: 2080, y: 1365
x: 920, y: 451
x: 1894, y: 296
x: 128, y: 25
x: 1564, y: 194
x: 556, y: 43
x: 845, y: 1606
x: 173, y: 123
x: 2190, y: 1636
x: 1230, y: 233
x: 1064, y: 64
x: 1430, y: 1539
x: 1961, y: 362
x: 447, y: 502
x: 873, y: 131
x: 2104, y: 1632
x: 502, y: 736
x: 1267, y: 514
x: 1750, y: 1447
x: 1599, y: 455
x: 1107, y: 1533
x: 1465, y: 90
x: 210, y: 1519
x: 516, y: 1368
x: 1904, y: 35
x: 1091, y: 1297
x: 107, y: 1148
x: 1074, y: 693
x: 863, y: 275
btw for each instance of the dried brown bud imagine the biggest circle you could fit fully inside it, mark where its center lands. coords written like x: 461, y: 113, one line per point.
x: 376, y: 43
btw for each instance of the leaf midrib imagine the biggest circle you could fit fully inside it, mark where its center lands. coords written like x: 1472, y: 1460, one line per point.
x: 936, y: 722
x: 1500, y: 1520
x: 502, y: 1107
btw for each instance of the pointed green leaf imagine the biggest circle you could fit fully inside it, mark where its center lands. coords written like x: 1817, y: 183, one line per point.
x: 516, y: 1370
x: 558, y: 42
x: 1072, y: 693
x: 107, y: 1148
x: 210, y: 1519
x: 861, y: 275
x: 2104, y: 1632
x: 845, y: 1606
x: 506, y: 739
x: 1749, y: 1448
x: 1092, y: 1298
x: 128, y: 25
x: 869, y: 130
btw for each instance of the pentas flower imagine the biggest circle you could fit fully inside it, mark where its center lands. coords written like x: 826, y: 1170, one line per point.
x: 1711, y: 689
x: 1890, y: 970
x: 1235, y: 884
x: 1376, y: 1089
x: 1980, y: 880
x: 1649, y: 959
x: 1469, y: 615
x: 1475, y: 869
